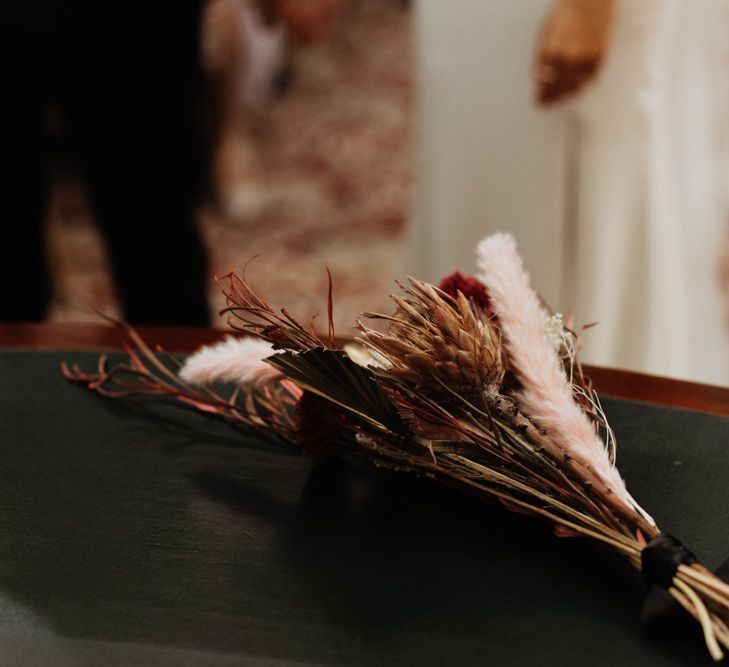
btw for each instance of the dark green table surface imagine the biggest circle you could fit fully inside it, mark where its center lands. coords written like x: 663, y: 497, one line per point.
x: 141, y: 533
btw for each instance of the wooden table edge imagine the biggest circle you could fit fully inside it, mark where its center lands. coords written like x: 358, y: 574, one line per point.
x: 608, y: 381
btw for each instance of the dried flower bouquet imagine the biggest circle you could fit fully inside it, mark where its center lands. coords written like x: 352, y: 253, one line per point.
x: 475, y: 384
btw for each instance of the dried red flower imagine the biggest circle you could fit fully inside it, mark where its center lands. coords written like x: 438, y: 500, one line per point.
x: 319, y: 424
x: 472, y: 288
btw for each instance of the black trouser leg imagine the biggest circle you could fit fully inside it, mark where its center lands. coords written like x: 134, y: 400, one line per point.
x: 25, y: 287
x: 133, y: 115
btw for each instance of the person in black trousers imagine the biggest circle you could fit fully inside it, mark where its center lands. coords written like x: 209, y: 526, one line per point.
x: 126, y: 79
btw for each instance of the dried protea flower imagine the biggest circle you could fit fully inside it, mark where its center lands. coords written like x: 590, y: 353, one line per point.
x: 437, y: 343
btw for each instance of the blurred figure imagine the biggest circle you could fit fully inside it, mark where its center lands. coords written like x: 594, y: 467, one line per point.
x: 246, y: 48
x: 313, y: 142
x: 308, y: 20
x: 573, y: 43
x: 322, y: 162
x: 648, y: 174
x: 126, y: 83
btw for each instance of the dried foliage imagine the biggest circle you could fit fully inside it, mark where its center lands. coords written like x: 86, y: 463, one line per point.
x: 154, y: 372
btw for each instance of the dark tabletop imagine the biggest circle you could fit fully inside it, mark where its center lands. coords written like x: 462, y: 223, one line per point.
x: 139, y: 532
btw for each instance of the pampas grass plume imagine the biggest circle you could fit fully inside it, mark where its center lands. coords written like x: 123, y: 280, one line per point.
x: 238, y: 360
x: 546, y: 396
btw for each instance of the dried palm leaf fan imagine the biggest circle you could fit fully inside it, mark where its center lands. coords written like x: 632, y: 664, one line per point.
x: 474, y: 384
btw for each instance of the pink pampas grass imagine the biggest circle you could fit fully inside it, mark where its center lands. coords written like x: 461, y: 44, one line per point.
x: 546, y: 396
x: 238, y: 360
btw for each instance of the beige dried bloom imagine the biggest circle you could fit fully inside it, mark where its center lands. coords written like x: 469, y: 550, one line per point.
x: 434, y: 341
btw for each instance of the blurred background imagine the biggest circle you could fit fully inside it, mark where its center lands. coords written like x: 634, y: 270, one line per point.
x: 151, y: 149
x: 309, y: 162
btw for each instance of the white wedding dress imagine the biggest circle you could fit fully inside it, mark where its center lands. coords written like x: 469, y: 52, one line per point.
x: 618, y: 199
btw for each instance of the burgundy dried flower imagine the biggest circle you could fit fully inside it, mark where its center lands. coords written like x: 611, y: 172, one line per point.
x: 472, y: 288
x: 319, y: 424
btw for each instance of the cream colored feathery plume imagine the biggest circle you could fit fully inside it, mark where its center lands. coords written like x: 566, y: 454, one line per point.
x: 546, y: 395
x: 238, y: 360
